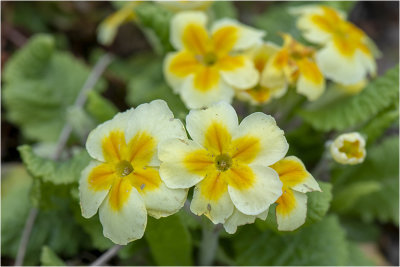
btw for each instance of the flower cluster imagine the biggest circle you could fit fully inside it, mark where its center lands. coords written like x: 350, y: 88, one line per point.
x: 143, y: 164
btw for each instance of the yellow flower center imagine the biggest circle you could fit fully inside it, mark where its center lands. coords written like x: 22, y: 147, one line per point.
x: 123, y: 168
x: 223, y: 162
x: 351, y: 149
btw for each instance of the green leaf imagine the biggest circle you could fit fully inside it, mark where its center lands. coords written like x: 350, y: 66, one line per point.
x: 40, y: 84
x: 49, y: 258
x: 47, y: 170
x: 351, y: 111
x: 223, y: 9
x: 318, y: 203
x: 306, y: 246
x: 169, y: 240
x: 380, y: 166
x: 348, y: 196
x: 100, y: 108
x: 156, y: 22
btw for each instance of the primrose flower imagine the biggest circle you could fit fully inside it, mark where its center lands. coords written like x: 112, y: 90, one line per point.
x: 208, y: 65
x: 291, y: 210
x: 226, y: 161
x: 109, y: 27
x: 294, y: 63
x: 260, y: 94
x: 346, y: 56
x: 123, y: 181
x: 348, y: 148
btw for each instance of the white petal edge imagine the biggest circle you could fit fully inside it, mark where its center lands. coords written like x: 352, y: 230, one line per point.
x: 238, y: 219
x: 267, y: 188
x: 126, y: 225
x: 309, y: 184
x: 309, y: 88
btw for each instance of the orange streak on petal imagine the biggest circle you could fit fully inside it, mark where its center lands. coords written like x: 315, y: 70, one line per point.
x: 213, y: 186
x: 228, y: 63
x: 183, y: 64
x: 217, y: 137
x: 198, y: 161
x: 224, y: 39
x: 119, y: 193
x: 240, y: 177
x: 145, y: 179
x: 206, y: 79
x: 195, y: 39
x: 101, y: 177
x: 113, y: 145
x: 291, y: 172
x: 245, y: 148
x: 286, y: 203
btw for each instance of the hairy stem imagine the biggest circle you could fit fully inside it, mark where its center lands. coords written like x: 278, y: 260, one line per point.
x: 106, y: 256
x: 92, y: 79
x: 209, y: 243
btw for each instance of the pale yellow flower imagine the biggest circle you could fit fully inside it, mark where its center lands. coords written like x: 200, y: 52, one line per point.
x: 346, y: 56
x: 123, y: 181
x: 226, y: 161
x: 259, y: 94
x: 208, y: 65
x: 291, y: 209
x: 348, y: 148
x: 108, y: 28
x: 294, y: 64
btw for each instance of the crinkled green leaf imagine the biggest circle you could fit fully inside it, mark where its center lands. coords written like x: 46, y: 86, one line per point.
x: 322, y: 243
x: 51, y: 171
x: 381, y: 166
x: 156, y: 23
x: 40, y: 84
x: 351, y: 111
x: 318, y: 203
x: 49, y: 258
x: 99, y: 107
x: 169, y: 240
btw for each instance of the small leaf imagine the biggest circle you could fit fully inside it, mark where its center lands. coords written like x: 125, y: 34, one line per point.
x: 100, y: 108
x: 49, y: 258
x: 169, y: 240
x: 47, y: 170
x: 318, y: 203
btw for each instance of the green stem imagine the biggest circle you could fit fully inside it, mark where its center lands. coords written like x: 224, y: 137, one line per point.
x: 209, y: 243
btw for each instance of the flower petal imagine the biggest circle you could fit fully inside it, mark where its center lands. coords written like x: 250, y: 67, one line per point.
x: 238, y: 71
x: 246, y: 36
x: 291, y: 211
x: 341, y: 68
x: 94, y: 184
x: 211, y: 198
x: 212, y: 126
x: 311, y: 83
x: 237, y: 219
x: 177, y: 66
x: 188, y: 31
x: 118, y: 124
x: 127, y: 223
x: 270, y: 138
x: 193, y: 97
x: 293, y: 174
x: 157, y: 120
x: 186, y: 166
x: 264, y: 190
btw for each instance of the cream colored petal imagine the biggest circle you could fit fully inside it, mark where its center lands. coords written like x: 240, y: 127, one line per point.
x: 272, y: 142
x: 247, y: 36
x: 90, y: 200
x: 237, y: 219
x: 157, y: 120
x: 176, y: 170
x: 340, y: 68
x: 337, y: 149
x: 179, y: 23
x: 216, y: 210
x: 309, y: 88
x: 308, y: 184
x: 94, y: 140
x: 127, y: 224
x: 273, y: 76
x: 195, y: 98
x: 164, y: 201
x: 296, y: 217
x: 198, y: 121
x: 264, y: 191
x: 243, y: 77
